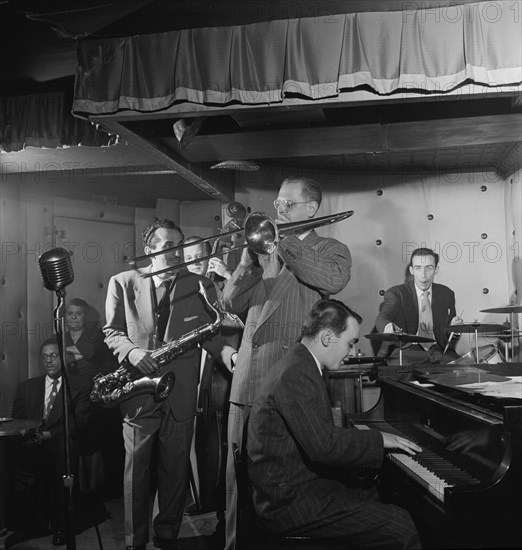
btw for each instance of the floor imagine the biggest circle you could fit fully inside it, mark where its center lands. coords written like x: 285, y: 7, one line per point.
x: 197, y: 533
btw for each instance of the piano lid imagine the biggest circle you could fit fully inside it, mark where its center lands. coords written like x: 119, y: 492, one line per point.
x: 499, y: 386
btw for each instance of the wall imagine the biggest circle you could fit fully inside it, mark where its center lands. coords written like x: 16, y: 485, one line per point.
x: 462, y: 216
x: 36, y: 215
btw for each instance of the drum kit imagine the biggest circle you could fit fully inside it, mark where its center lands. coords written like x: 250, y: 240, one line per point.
x: 491, y: 355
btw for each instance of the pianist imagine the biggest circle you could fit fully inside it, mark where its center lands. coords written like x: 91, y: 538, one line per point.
x: 310, y: 477
x: 420, y: 307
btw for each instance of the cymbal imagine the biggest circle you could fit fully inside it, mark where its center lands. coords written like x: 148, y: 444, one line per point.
x: 504, y: 309
x: 472, y: 327
x: 363, y: 360
x: 402, y: 337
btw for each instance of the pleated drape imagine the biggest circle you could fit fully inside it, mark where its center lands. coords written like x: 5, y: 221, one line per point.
x: 431, y: 50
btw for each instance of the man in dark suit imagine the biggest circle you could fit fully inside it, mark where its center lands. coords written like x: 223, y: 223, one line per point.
x: 142, y: 314
x: 43, y: 453
x: 277, y: 292
x: 299, y: 462
x: 420, y: 307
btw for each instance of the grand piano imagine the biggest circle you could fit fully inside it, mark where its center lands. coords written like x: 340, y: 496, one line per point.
x: 465, y: 489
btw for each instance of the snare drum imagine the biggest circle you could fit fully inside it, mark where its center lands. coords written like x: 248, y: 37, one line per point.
x: 490, y: 355
x: 487, y: 354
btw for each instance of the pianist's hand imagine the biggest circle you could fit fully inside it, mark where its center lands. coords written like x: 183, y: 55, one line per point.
x: 400, y: 444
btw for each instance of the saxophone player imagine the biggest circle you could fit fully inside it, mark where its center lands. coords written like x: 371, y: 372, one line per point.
x: 142, y: 314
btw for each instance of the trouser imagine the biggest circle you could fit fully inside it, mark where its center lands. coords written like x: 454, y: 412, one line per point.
x: 147, y: 423
x: 354, y: 515
x: 237, y: 418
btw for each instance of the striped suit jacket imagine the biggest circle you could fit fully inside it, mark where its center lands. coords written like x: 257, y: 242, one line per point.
x: 314, y: 267
x: 293, y: 448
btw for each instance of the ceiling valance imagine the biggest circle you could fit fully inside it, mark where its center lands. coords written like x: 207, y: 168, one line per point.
x: 423, y: 50
x: 44, y: 120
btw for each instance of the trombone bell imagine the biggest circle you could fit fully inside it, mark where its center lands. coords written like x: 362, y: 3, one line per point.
x: 261, y: 233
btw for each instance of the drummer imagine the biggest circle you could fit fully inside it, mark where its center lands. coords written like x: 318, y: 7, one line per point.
x: 420, y: 307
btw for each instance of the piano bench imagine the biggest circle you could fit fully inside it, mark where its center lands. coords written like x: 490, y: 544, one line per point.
x: 251, y: 537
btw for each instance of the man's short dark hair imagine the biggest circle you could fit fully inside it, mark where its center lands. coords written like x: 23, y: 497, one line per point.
x: 149, y: 233
x: 424, y: 252
x: 311, y: 188
x: 50, y: 341
x: 328, y: 314
x: 207, y: 248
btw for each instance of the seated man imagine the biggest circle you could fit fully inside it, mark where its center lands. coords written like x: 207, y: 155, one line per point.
x: 299, y: 462
x: 42, y: 454
x: 420, y: 307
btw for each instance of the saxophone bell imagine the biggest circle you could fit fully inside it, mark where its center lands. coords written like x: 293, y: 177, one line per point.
x: 127, y: 381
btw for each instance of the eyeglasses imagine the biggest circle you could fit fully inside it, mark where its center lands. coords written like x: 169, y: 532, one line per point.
x: 286, y: 204
x: 51, y: 356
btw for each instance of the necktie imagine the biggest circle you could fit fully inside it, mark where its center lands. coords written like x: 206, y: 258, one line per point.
x: 425, y: 319
x: 52, y: 397
x: 163, y: 311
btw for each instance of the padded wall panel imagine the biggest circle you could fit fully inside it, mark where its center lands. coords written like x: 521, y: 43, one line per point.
x: 13, y: 284
x: 467, y: 230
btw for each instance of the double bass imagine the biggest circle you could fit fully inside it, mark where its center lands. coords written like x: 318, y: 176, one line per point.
x: 213, y: 406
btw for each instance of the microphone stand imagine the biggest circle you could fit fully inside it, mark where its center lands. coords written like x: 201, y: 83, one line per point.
x: 68, y: 477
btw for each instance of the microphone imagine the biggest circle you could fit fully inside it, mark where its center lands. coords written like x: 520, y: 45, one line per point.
x: 56, y: 269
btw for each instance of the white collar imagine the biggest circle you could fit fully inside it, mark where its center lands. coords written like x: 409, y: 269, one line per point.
x: 158, y: 280
x: 421, y: 292
x: 49, y: 381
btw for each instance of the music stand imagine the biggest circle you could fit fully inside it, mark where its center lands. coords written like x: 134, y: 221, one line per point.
x: 511, y: 310
x: 362, y: 360
x: 399, y: 337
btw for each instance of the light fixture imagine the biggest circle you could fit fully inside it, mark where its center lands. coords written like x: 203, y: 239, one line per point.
x: 186, y: 129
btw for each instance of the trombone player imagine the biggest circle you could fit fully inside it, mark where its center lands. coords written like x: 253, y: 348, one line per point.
x: 277, y: 291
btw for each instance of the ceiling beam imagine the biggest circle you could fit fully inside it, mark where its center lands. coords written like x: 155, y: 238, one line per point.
x: 195, y: 175
x: 356, y: 139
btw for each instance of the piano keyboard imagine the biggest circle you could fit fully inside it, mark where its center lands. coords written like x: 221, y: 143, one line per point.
x: 428, y: 468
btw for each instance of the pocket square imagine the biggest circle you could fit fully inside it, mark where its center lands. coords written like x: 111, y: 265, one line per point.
x: 187, y: 319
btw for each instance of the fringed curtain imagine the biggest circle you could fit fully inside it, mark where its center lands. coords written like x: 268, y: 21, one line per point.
x: 432, y: 50
x: 44, y: 120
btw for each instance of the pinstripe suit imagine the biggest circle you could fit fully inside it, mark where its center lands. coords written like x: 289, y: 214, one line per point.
x: 295, y: 456
x: 313, y: 267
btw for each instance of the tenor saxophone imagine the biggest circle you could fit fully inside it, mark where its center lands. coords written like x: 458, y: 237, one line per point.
x: 127, y: 381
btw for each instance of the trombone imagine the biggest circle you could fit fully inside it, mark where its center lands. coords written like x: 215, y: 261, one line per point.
x: 262, y: 236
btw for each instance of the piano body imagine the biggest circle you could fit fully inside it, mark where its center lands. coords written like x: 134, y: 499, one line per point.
x: 465, y: 489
